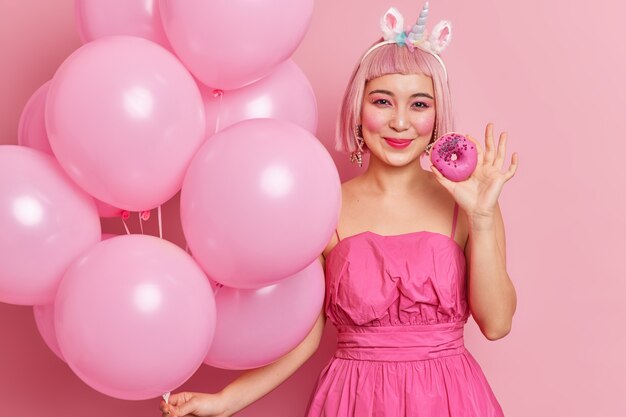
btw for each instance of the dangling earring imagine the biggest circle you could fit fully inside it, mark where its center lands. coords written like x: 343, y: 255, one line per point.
x: 357, y: 156
x: 432, y: 141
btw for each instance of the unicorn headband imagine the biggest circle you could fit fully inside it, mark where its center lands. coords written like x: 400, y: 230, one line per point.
x: 392, y: 25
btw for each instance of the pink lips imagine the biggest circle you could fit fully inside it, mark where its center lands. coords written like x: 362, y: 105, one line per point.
x: 398, y: 143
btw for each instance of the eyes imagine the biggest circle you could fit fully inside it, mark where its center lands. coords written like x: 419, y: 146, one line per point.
x: 383, y: 102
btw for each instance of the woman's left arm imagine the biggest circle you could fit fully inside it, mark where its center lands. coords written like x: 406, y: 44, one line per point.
x: 491, y: 294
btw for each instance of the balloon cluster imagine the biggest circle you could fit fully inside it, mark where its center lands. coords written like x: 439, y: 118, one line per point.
x: 168, y: 96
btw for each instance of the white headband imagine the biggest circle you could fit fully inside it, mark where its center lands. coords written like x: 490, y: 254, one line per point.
x: 392, y: 26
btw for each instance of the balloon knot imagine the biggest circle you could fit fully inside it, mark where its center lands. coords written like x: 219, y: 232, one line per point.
x: 145, y: 215
x: 125, y: 214
x: 218, y: 93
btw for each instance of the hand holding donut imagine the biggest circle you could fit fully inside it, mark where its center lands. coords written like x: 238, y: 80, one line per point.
x: 478, y: 194
x: 455, y: 156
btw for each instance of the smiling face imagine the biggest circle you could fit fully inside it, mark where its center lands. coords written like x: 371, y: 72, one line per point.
x: 398, y: 117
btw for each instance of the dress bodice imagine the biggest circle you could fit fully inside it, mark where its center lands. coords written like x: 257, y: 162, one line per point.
x: 415, y: 278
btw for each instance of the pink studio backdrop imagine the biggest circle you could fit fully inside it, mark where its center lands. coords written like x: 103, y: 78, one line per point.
x: 550, y: 73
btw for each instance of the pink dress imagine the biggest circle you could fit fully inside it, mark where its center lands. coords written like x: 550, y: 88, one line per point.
x: 399, y: 304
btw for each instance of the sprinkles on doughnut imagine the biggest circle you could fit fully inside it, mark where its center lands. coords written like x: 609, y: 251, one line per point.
x: 455, y: 156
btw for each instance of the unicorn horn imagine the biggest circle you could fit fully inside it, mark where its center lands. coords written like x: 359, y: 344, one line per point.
x: 420, y: 26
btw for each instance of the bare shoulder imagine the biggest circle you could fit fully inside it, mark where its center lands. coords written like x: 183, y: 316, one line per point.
x: 347, y: 191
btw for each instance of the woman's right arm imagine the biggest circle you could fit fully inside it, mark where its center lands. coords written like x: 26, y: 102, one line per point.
x: 249, y: 386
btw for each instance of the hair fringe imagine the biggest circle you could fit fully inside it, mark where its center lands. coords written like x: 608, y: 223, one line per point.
x: 391, y: 59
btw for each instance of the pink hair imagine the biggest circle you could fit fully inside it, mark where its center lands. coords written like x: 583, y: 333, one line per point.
x: 391, y: 59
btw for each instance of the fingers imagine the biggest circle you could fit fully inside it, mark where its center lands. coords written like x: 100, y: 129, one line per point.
x: 488, y: 129
x: 496, y: 156
x: 501, y: 154
x: 491, y: 155
x: 180, y: 398
x: 185, y: 408
x: 172, y: 407
x: 490, y: 150
x: 170, y: 411
x: 166, y: 410
x: 513, y: 167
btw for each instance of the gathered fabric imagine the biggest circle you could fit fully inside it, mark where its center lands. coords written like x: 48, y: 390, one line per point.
x: 399, y: 304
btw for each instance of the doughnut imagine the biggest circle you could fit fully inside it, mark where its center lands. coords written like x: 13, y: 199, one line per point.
x: 455, y: 156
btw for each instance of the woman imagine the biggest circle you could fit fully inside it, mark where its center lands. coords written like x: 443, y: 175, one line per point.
x: 413, y: 255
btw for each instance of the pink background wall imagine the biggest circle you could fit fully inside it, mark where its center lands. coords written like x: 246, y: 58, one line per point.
x: 551, y: 74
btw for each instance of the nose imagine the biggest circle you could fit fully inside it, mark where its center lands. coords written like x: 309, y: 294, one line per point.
x: 399, y: 121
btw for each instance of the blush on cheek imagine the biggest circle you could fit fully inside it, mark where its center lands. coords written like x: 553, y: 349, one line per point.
x: 373, y: 121
x: 425, y: 125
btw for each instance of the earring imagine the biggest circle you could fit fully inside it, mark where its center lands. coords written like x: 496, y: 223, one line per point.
x: 357, y: 156
x: 432, y: 141
x: 427, y: 149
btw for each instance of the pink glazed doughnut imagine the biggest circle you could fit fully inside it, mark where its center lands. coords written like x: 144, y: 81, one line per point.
x: 455, y: 156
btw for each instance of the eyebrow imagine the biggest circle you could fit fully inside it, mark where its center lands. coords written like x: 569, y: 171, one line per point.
x: 392, y: 95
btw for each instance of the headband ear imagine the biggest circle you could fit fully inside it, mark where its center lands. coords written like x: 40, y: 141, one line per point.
x: 391, y: 24
x: 440, y: 37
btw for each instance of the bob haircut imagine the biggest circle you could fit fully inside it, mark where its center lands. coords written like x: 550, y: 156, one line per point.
x: 391, y: 59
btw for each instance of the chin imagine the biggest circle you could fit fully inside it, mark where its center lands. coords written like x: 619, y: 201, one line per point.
x: 401, y: 160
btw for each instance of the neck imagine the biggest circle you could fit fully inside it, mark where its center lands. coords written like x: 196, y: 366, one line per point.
x: 390, y: 180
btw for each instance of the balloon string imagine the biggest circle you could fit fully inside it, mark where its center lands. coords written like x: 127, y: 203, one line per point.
x: 160, y: 224
x: 125, y: 215
x: 220, y: 94
x: 144, y: 216
x: 126, y: 227
x: 140, y: 222
x: 217, y: 288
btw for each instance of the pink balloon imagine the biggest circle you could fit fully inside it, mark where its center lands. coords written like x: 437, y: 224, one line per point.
x: 32, y: 133
x: 285, y: 94
x: 259, y: 202
x: 98, y: 18
x: 31, y: 130
x: 107, y: 210
x: 124, y: 119
x: 230, y: 43
x: 46, y: 222
x: 256, y: 327
x: 134, y: 317
x: 107, y: 236
x: 44, y: 319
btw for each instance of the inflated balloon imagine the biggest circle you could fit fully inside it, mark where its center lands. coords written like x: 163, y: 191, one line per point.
x: 134, y: 317
x: 32, y: 133
x: 227, y: 44
x: 107, y: 210
x: 256, y: 327
x: 44, y: 319
x: 107, y: 236
x: 98, y: 18
x: 31, y: 130
x: 46, y: 222
x: 124, y: 119
x: 259, y: 202
x: 285, y: 94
